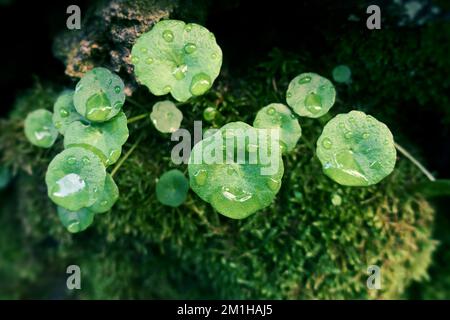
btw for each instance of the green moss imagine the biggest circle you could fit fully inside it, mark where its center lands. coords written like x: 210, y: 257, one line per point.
x: 302, y: 246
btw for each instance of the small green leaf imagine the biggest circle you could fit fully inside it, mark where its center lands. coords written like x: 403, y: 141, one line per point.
x: 177, y: 58
x: 438, y: 188
x: 342, y: 74
x: 99, y: 95
x: 64, y: 112
x: 75, y: 178
x: 356, y: 149
x: 75, y: 221
x: 277, y: 115
x: 5, y: 177
x: 310, y: 95
x: 236, y: 187
x: 210, y: 113
x: 108, y: 197
x: 104, y: 139
x: 39, y: 128
x: 172, y: 188
x: 166, y: 117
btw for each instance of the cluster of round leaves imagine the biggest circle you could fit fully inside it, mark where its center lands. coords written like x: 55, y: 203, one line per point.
x: 94, y: 130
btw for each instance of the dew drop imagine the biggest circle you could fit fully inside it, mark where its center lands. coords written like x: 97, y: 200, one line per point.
x: 273, y: 184
x: 214, y: 56
x: 168, y: 35
x: 86, y: 160
x: 236, y: 194
x: 200, y: 84
x: 74, y: 227
x: 180, y: 72
x: 190, y: 48
x: 104, y: 203
x: 200, y: 177
x: 348, y: 134
x: 144, y: 50
x: 304, y: 80
x: 365, y: 135
x: 167, y: 89
x: 149, y: 60
x: 289, y: 95
x: 58, y: 125
x: 313, y: 103
x: 135, y: 60
x: 71, y: 160
x: 271, y: 111
x: 326, y: 143
x: 64, y: 113
x: 98, y: 107
x: 117, y: 89
x: 188, y: 27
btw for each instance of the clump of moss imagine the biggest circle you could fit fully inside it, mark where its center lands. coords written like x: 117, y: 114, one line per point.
x: 302, y: 246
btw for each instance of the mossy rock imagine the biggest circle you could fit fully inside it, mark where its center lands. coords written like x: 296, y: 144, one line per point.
x: 301, y: 247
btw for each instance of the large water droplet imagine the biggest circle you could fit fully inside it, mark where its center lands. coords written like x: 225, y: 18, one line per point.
x: 74, y: 226
x: 42, y: 134
x: 326, y: 143
x: 180, y: 72
x: 98, y: 107
x: 200, y: 84
x: 236, y: 194
x: 303, y: 80
x: 168, y: 35
x: 313, y: 103
x: 200, y: 177
x: 190, y: 48
x: 68, y: 185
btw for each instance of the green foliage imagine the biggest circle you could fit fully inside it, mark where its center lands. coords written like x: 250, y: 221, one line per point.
x: 108, y: 197
x: 75, y: 221
x: 438, y: 188
x: 75, y: 178
x: 172, y: 188
x: 5, y: 176
x: 104, y: 139
x: 342, y: 74
x: 356, y: 149
x: 277, y: 115
x: 310, y: 95
x: 300, y: 247
x: 235, y: 188
x: 64, y: 112
x: 166, y: 117
x: 177, y: 58
x: 99, y: 95
x: 39, y: 128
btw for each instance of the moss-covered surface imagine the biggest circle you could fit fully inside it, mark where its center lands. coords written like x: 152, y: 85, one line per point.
x: 302, y: 247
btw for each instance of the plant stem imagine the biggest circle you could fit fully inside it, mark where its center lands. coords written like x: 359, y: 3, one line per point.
x: 134, y: 103
x: 125, y: 157
x: 137, y: 118
x: 415, y: 162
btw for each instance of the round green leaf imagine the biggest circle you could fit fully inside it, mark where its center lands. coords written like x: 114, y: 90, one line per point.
x: 342, y: 74
x: 64, y: 112
x: 172, y: 188
x: 166, y: 117
x: 236, y: 187
x: 356, y: 149
x: 75, y: 221
x: 210, y: 113
x: 310, y: 95
x: 39, y: 128
x: 104, y: 139
x: 277, y: 115
x: 177, y: 58
x: 5, y: 177
x: 108, y: 197
x: 75, y: 178
x: 99, y: 95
